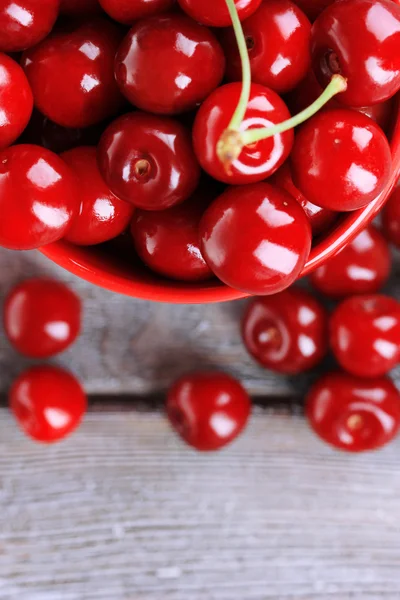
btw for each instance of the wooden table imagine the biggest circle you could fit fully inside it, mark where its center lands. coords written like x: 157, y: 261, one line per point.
x: 122, y: 511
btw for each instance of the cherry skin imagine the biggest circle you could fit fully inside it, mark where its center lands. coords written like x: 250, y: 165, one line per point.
x: 278, y: 41
x: 148, y: 160
x: 128, y: 11
x: 321, y: 219
x: 313, y: 8
x: 214, y: 13
x: 38, y: 197
x: 360, y: 39
x: 72, y: 74
x: 24, y: 23
x: 48, y: 403
x: 354, y: 414
x: 362, y: 267
x: 255, y: 162
x: 79, y: 8
x: 16, y: 101
x: 156, y: 71
x: 391, y: 217
x: 286, y: 332
x: 208, y: 409
x: 256, y: 238
x: 341, y: 160
x: 42, y: 317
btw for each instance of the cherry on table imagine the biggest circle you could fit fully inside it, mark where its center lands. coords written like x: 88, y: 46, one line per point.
x: 208, y: 409
x: 16, y: 101
x: 128, y: 11
x: 391, y: 217
x: 214, y: 13
x: 24, y: 23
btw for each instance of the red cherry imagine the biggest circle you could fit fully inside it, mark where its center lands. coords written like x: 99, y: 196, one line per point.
x: 341, y: 160
x: 214, y: 13
x: 16, y: 101
x: 38, y: 197
x: 48, y: 403
x: 42, y: 317
x: 208, y: 409
x: 360, y: 39
x: 365, y: 335
x: 354, y: 414
x: 278, y: 41
x: 128, y: 11
x: 362, y: 267
x: 24, y: 23
x: 321, y: 219
x: 78, y: 8
x: 148, y: 161
x: 391, y: 217
x: 313, y: 8
x: 286, y: 332
x: 257, y: 161
x: 168, y: 64
x: 256, y: 238
x: 72, y: 74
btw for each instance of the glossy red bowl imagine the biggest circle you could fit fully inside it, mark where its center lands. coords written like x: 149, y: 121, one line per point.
x: 125, y: 275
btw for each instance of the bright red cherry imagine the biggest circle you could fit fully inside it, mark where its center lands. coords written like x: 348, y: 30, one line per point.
x: 360, y: 39
x: 16, y: 101
x: 278, y: 41
x: 24, y: 23
x: 42, y: 317
x: 102, y: 215
x: 286, y: 332
x: 78, y: 8
x: 48, y: 403
x: 168, y: 64
x: 256, y: 238
x: 362, y: 267
x: 313, y: 8
x: 257, y: 161
x: 354, y: 414
x: 128, y: 11
x: 214, y: 13
x: 391, y: 217
x: 72, y: 74
x: 320, y: 219
x: 208, y: 409
x: 341, y: 160
x: 148, y: 160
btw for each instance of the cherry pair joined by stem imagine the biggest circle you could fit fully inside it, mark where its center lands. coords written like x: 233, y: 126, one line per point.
x: 24, y: 23
x: 128, y: 11
x: 215, y: 13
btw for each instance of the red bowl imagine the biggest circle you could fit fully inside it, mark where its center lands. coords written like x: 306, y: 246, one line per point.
x: 110, y: 271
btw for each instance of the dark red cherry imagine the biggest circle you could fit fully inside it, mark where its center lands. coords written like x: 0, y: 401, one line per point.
x: 214, y: 13
x: 362, y: 267
x: 48, y: 403
x: 38, y: 197
x: 128, y: 11
x: 278, y: 41
x: 256, y: 238
x: 42, y: 317
x: 313, y: 8
x: 168, y: 64
x: 79, y: 8
x: 321, y: 219
x: 360, y: 39
x: 208, y: 409
x: 286, y: 332
x: 391, y: 217
x: 16, y: 101
x: 257, y: 161
x: 72, y: 74
x: 148, y: 160
x: 341, y: 160
x: 24, y: 23
x: 354, y: 414
x: 102, y: 215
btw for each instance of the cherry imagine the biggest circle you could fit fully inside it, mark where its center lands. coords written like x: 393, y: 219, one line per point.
x: 208, y: 409
x: 38, y: 197
x: 362, y: 267
x: 321, y: 219
x: 286, y: 332
x: 48, y: 403
x: 24, y: 23
x: 42, y: 317
x: 214, y: 13
x: 78, y: 8
x: 16, y: 101
x: 341, y: 160
x: 255, y: 162
x: 128, y: 11
x: 360, y: 39
x: 256, y: 238
x: 148, y: 160
x: 278, y: 40
x: 72, y: 74
x: 354, y: 414
x: 168, y: 64
x: 391, y: 217
x: 313, y: 8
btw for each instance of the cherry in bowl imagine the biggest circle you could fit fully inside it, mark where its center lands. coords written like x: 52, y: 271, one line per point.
x: 391, y: 217
x: 16, y: 101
